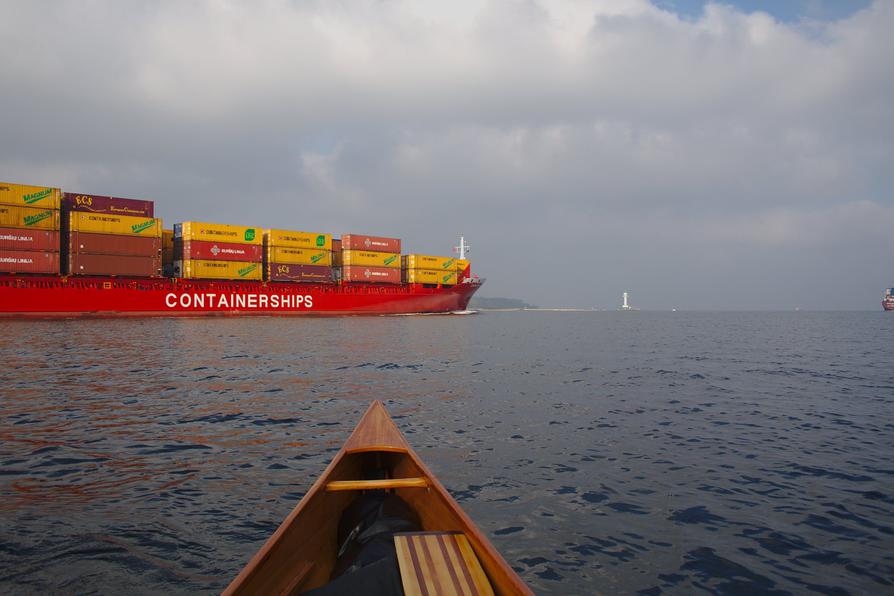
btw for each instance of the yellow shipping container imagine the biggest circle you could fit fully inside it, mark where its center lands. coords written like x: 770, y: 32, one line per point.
x: 430, y: 276
x: 427, y: 262
x: 121, y: 225
x: 30, y: 196
x: 461, y: 264
x: 167, y: 238
x: 369, y: 258
x: 194, y: 230
x: 194, y: 269
x: 298, y: 239
x: 299, y: 256
x: 29, y: 217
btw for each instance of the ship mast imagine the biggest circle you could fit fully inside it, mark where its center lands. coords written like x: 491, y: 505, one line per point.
x: 462, y: 248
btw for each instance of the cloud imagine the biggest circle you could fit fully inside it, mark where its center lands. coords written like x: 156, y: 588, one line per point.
x: 559, y: 136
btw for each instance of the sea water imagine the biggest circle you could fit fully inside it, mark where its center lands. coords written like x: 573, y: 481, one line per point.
x: 601, y: 452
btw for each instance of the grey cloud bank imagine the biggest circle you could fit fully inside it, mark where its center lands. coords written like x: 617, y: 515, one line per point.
x: 584, y: 148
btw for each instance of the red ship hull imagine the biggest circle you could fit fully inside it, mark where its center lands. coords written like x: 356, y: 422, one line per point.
x: 888, y: 304
x: 52, y: 297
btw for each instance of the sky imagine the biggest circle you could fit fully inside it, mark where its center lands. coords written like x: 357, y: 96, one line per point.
x: 699, y: 155
x: 788, y: 11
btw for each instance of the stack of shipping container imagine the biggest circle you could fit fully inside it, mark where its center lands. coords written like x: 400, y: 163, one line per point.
x: 217, y: 251
x: 336, y: 259
x: 29, y: 229
x: 111, y: 236
x: 45, y: 231
x: 292, y: 256
x: 370, y: 259
x: 167, y: 253
x: 425, y: 269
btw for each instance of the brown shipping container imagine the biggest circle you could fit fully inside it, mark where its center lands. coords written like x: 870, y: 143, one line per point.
x: 84, y: 264
x: 204, y: 250
x: 380, y: 275
x: 15, y: 239
x: 299, y: 273
x: 374, y: 243
x: 102, y: 204
x: 336, y: 252
x: 29, y: 261
x: 113, y: 244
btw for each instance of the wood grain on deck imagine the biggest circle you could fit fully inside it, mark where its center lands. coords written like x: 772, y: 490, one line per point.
x: 439, y: 564
x: 376, y: 432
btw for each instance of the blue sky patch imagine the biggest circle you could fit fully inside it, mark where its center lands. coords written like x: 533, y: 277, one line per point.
x: 783, y: 10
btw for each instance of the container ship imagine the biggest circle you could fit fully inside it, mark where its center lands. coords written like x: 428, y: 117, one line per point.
x: 888, y: 299
x: 80, y: 255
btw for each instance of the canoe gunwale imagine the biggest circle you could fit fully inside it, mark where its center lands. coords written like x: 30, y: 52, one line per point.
x: 376, y: 433
x: 255, y: 564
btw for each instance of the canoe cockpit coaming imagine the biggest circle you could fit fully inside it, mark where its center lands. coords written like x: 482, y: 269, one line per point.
x: 302, y: 553
x: 309, y: 548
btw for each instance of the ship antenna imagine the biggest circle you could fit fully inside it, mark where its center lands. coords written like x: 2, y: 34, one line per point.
x: 463, y: 248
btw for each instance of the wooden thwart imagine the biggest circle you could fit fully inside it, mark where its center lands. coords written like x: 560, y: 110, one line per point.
x: 439, y: 564
x: 336, y: 485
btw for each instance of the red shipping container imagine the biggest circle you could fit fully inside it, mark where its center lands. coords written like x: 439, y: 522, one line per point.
x: 373, y: 243
x: 336, y: 245
x: 29, y: 261
x: 83, y: 264
x: 113, y: 244
x: 206, y: 250
x: 377, y: 275
x: 14, y: 239
x: 102, y: 204
x: 299, y: 273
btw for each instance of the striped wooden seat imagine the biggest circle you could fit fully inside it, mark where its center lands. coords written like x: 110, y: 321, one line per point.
x: 439, y: 564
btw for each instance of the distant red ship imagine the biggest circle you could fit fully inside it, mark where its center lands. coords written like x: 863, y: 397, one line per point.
x: 55, y: 296
x: 888, y: 300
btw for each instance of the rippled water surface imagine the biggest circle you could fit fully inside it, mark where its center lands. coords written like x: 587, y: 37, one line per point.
x: 601, y: 452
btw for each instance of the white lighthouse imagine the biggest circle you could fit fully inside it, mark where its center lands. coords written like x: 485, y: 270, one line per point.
x: 626, y: 305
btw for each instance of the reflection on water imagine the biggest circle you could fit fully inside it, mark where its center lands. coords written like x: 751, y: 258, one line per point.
x: 601, y: 452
